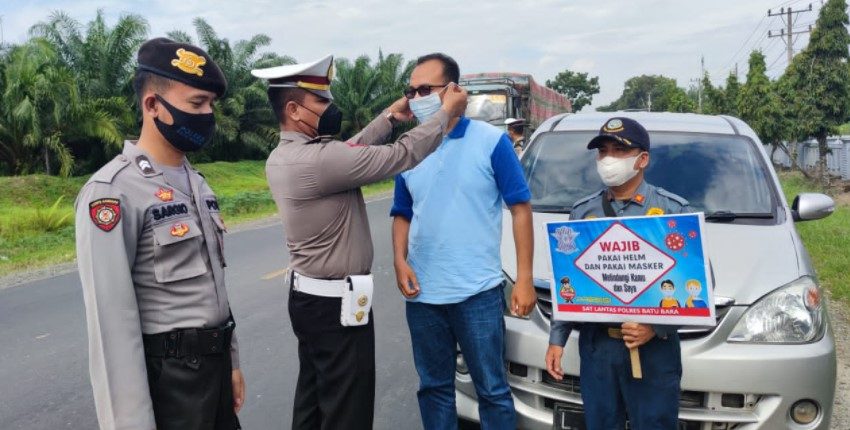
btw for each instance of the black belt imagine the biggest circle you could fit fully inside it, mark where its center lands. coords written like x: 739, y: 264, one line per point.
x: 189, y: 342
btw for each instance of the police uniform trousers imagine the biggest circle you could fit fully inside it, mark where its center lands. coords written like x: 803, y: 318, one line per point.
x: 610, y: 393
x: 336, y: 379
x: 190, y: 382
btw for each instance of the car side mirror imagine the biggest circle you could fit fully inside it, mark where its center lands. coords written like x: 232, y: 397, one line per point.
x: 812, y: 206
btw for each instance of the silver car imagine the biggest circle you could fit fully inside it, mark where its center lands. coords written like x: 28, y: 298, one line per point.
x: 770, y: 361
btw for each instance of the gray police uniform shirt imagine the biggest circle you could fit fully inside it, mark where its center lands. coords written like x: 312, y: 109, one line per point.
x: 648, y: 200
x: 316, y: 186
x: 151, y: 260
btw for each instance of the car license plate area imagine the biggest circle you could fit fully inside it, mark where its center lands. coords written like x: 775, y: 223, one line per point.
x: 568, y: 417
x: 571, y: 417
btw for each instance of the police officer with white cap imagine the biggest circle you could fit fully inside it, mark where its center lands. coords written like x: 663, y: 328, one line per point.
x: 162, y: 349
x: 516, y: 131
x: 315, y: 181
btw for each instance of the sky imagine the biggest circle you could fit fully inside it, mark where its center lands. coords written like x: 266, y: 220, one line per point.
x: 611, y: 39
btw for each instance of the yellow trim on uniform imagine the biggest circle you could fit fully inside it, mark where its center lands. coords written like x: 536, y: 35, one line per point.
x: 309, y: 86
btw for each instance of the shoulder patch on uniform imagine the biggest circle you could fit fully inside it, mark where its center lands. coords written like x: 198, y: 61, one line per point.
x: 586, y: 199
x: 106, y: 174
x: 105, y: 213
x: 675, y: 197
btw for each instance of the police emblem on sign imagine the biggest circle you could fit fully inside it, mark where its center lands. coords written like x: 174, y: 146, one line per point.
x: 105, y: 213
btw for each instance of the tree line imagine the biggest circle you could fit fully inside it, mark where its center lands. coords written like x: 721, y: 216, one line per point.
x: 67, y: 103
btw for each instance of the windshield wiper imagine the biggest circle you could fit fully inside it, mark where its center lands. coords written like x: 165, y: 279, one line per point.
x: 730, y: 216
x: 552, y: 209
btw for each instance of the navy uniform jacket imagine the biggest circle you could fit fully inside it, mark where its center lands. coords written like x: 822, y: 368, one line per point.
x: 648, y: 200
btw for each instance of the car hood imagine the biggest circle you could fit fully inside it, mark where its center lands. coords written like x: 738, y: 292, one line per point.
x: 747, y: 261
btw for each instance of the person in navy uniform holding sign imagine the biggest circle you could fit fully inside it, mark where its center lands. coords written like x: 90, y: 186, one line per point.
x: 609, y: 392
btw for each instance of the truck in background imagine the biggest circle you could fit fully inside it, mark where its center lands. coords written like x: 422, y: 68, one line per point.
x: 494, y: 97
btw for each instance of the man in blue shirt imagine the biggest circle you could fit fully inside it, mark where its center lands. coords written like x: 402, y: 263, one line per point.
x: 447, y: 230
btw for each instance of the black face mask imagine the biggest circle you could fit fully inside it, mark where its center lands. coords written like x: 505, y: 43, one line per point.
x: 190, y: 131
x: 330, y: 121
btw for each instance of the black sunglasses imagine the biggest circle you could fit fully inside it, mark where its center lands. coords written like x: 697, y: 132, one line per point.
x: 423, y: 90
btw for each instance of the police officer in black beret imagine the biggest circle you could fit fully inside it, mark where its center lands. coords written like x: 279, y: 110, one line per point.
x: 162, y: 348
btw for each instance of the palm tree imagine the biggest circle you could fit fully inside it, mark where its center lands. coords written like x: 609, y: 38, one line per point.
x: 245, y: 126
x: 362, y: 90
x: 41, y: 108
x: 102, y: 60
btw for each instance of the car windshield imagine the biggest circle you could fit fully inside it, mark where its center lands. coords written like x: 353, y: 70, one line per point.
x: 716, y: 173
x: 489, y: 107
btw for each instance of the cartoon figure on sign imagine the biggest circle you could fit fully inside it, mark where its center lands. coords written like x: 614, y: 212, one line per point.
x: 694, y: 287
x: 668, y: 289
x: 567, y: 292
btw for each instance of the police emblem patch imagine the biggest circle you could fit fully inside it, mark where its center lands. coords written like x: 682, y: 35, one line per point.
x: 105, y: 213
x: 189, y: 62
x: 179, y: 230
x: 614, y: 125
x: 165, y: 195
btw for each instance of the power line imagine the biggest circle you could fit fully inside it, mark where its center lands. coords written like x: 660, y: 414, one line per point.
x: 746, y: 41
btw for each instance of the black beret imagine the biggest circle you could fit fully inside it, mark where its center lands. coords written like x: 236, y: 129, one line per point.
x: 182, y: 62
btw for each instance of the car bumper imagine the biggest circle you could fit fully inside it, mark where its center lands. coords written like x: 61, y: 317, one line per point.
x: 725, y: 385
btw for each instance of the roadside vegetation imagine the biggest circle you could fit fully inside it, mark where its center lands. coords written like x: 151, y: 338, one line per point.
x: 828, y: 239
x: 37, y: 211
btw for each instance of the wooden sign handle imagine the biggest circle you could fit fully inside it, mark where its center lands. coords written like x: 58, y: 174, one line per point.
x: 634, y: 355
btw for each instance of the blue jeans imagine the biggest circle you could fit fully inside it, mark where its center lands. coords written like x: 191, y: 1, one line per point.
x: 477, y: 325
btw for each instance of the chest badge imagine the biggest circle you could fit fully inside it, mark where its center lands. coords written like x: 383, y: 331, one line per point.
x: 655, y: 211
x: 179, y: 230
x: 165, y: 195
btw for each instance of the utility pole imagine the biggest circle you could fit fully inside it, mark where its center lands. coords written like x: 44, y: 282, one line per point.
x: 698, y: 83
x: 788, y: 32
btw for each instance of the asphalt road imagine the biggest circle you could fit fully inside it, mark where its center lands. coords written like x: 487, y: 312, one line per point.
x: 44, y: 360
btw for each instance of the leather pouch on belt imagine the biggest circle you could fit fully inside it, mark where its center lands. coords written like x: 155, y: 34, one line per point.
x: 356, y: 301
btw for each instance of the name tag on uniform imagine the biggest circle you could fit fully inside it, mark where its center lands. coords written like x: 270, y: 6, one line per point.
x: 356, y: 300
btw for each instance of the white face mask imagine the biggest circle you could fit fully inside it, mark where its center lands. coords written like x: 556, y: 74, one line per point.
x: 425, y: 107
x: 616, y: 171
x: 667, y: 293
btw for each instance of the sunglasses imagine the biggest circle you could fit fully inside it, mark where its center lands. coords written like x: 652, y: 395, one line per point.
x: 422, y: 90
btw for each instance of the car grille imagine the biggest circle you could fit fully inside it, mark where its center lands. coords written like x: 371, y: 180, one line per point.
x: 572, y: 384
x: 544, y: 303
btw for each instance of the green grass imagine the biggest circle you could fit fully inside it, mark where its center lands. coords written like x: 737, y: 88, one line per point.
x: 36, y: 211
x: 828, y: 239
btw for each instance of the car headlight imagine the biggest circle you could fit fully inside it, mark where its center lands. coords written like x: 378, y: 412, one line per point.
x: 793, y: 313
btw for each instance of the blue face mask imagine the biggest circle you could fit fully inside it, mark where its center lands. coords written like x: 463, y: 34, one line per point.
x: 425, y: 107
